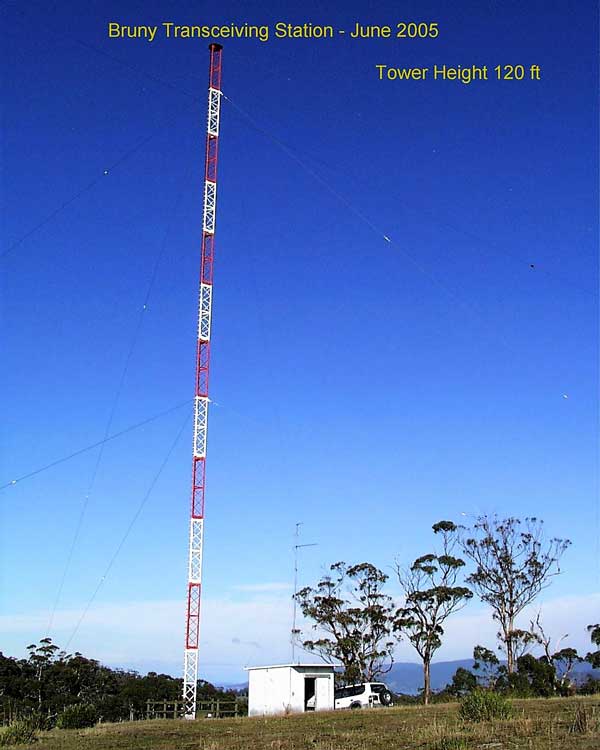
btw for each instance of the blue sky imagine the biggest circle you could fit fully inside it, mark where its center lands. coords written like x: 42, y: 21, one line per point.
x: 365, y: 388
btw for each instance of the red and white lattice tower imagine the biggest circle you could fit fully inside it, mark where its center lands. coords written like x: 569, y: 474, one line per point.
x: 192, y: 630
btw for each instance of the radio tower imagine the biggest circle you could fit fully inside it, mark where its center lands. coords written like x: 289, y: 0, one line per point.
x: 192, y: 630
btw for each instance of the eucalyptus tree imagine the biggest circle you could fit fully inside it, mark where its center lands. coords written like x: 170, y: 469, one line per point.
x: 41, y: 659
x: 513, y: 563
x: 432, y: 593
x: 353, y: 618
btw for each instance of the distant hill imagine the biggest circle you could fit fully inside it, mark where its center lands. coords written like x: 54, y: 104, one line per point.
x: 239, y: 686
x: 407, y: 677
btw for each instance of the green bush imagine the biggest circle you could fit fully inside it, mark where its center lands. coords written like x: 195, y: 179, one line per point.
x: 77, y: 717
x: 452, y: 743
x: 484, y: 705
x: 40, y: 722
x: 21, y: 732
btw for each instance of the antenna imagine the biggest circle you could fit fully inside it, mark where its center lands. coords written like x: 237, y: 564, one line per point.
x: 297, y: 546
x: 201, y: 400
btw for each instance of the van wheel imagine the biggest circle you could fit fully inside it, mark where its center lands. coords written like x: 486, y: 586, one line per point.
x: 385, y: 698
x: 356, y: 705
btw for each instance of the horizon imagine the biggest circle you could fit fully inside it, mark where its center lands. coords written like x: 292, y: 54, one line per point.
x: 579, y: 668
x: 558, y: 616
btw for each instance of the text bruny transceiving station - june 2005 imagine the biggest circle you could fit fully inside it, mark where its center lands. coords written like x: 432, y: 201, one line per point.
x: 279, y: 30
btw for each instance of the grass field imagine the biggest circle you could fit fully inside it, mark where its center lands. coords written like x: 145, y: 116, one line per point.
x: 538, y: 725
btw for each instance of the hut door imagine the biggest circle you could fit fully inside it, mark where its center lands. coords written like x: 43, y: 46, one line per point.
x: 309, y: 693
x: 323, y: 697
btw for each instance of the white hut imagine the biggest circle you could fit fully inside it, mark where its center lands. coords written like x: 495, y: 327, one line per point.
x: 285, y: 688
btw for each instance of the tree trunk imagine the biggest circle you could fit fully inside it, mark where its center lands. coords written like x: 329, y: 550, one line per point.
x: 510, y: 661
x: 39, y: 676
x: 426, y: 680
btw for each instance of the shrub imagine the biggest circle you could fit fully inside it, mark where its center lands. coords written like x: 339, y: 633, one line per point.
x: 77, y: 717
x: 484, y: 705
x: 21, y: 732
x: 452, y: 743
x: 41, y: 722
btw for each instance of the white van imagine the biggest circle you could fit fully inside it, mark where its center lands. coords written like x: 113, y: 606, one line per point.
x: 366, y: 695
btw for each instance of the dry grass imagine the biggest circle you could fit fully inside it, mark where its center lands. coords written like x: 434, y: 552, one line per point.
x: 555, y: 724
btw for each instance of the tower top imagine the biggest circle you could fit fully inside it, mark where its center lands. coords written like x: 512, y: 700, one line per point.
x: 214, y: 47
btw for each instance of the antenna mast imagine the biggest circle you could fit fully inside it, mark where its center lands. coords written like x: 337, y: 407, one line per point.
x: 295, y: 632
x: 192, y: 630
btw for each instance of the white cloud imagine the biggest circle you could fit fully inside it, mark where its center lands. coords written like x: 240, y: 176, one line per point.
x: 149, y: 635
